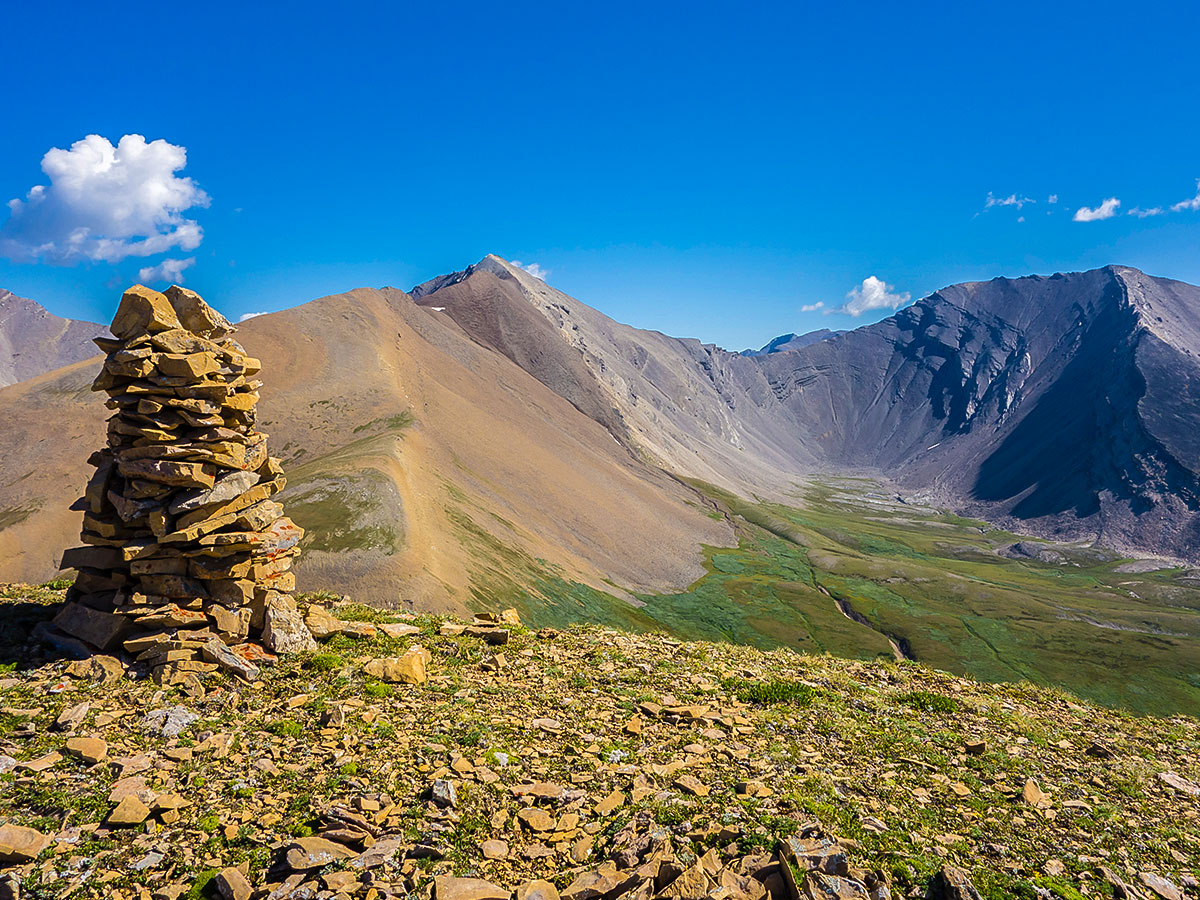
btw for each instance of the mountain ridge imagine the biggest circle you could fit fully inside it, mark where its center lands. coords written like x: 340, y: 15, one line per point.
x: 33, y: 340
x: 791, y: 341
x: 983, y: 397
x: 955, y: 371
x: 1000, y: 401
x: 423, y: 465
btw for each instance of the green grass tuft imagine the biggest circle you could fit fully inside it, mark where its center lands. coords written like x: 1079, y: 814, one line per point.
x: 324, y: 662
x: 286, y: 728
x: 773, y: 692
x: 377, y: 689
x: 203, y: 886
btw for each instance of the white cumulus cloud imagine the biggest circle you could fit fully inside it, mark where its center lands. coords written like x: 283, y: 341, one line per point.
x: 1145, y: 213
x: 1053, y: 198
x: 1105, y: 210
x: 105, y: 204
x: 1193, y: 203
x: 533, y: 269
x: 872, y: 294
x: 169, y: 270
x: 244, y: 316
x: 812, y: 307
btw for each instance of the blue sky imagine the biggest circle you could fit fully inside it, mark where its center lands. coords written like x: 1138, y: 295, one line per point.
x: 707, y: 170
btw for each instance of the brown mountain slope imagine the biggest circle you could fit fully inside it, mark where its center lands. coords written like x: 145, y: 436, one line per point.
x: 33, y: 340
x: 427, y: 467
x: 51, y: 424
x: 688, y: 407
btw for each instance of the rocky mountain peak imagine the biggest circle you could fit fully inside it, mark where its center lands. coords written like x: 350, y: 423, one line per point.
x: 490, y: 263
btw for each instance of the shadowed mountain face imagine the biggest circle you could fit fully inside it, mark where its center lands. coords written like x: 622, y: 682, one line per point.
x: 1066, y: 403
x: 33, y: 341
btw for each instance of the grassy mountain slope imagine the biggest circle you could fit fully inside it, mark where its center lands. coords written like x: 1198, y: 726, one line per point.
x: 1064, y: 406
x: 51, y: 424
x: 496, y: 442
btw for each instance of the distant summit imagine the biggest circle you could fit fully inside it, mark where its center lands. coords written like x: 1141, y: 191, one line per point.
x: 792, y: 341
x: 490, y: 263
x: 34, y: 340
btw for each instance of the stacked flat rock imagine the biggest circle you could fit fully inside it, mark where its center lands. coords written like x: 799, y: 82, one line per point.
x: 186, y: 558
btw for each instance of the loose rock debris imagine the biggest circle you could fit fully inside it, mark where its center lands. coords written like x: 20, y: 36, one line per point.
x: 322, y: 779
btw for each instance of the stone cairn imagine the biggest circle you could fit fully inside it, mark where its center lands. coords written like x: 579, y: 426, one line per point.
x: 186, y: 558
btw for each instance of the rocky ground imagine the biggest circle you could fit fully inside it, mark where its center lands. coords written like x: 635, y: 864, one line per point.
x: 465, y: 761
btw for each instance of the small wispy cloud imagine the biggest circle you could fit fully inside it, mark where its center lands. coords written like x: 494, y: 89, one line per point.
x: 1192, y: 204
x: 1106, y: 210
x: 244, y: 316
x: 1017, y: 200
x: 812, y: 307
x: 169, y: 270
x: 533, y: 269
x: 872, y: 294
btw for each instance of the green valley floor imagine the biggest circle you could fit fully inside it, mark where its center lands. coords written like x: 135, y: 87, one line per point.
x: 852, y: 570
